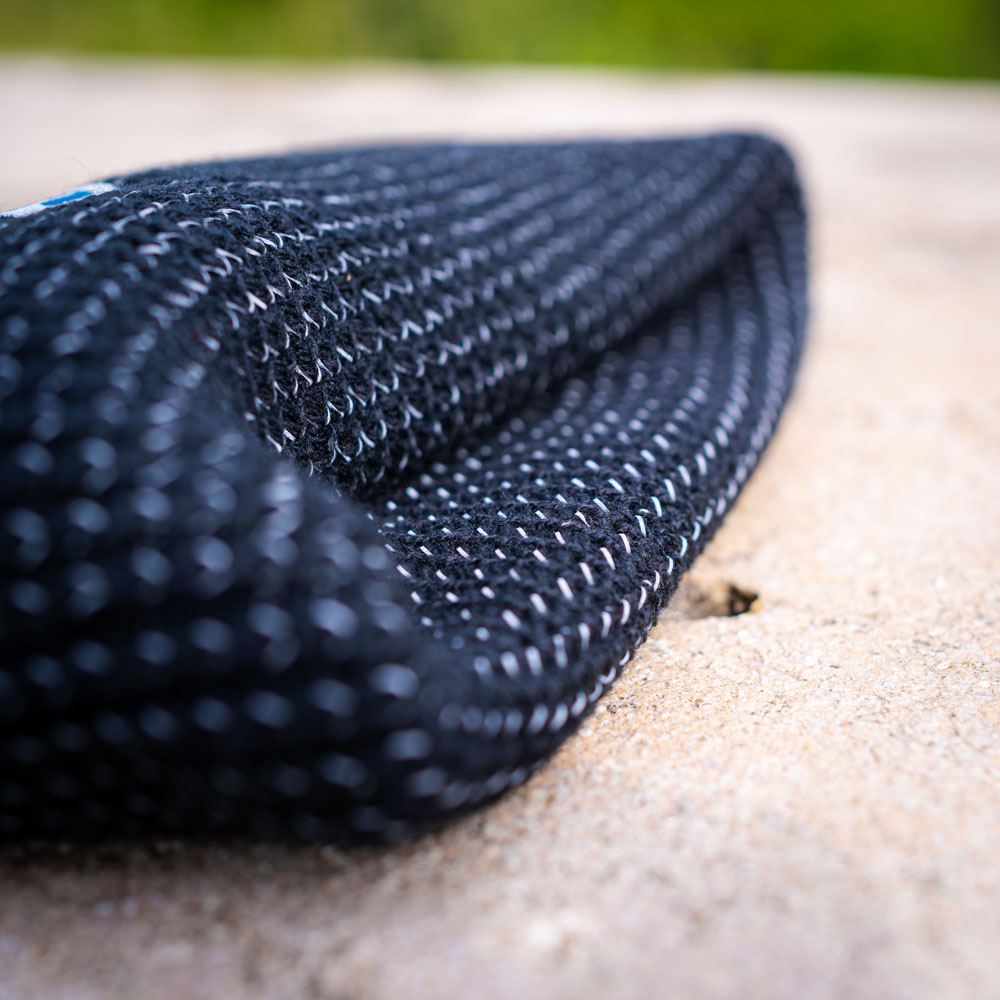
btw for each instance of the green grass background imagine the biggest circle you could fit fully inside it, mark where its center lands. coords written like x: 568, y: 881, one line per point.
x: 921, y: 37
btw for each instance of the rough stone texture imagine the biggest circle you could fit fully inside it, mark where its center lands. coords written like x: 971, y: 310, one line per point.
x: 801, y: 801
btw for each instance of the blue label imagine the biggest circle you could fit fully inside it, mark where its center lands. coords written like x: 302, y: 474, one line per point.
x: 84, y: 191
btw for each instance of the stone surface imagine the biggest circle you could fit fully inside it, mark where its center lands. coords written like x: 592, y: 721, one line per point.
x: 801, y: 801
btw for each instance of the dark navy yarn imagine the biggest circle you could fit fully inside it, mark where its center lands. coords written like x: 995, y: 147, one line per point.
x: 336, y: 488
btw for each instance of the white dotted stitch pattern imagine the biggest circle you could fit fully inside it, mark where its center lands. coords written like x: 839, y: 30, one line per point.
x: 337, y: 487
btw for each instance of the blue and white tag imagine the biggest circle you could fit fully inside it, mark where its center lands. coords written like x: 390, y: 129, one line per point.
x: 84, y: 191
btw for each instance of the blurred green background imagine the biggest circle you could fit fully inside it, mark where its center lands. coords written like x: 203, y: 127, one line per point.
x: 922, y: 37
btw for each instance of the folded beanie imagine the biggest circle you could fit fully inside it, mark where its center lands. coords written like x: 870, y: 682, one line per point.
x: 337, y: 487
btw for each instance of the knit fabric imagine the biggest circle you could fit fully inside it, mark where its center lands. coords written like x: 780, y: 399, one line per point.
x: 336, y: 488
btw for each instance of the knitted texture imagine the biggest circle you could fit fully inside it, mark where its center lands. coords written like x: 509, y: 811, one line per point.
x: 336, y: 488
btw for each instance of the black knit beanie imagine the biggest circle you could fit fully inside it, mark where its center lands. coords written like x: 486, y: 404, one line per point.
x: 336, y: 488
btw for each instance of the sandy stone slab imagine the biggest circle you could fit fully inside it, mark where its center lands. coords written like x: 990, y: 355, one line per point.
x: 800, y: 801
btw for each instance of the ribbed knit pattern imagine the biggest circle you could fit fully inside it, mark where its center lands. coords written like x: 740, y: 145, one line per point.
x: 336, y: 488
